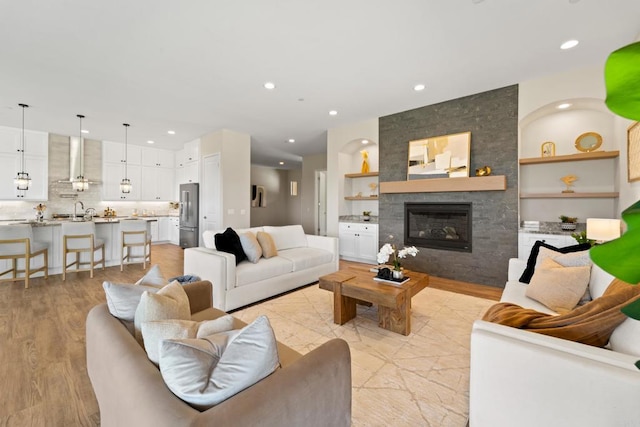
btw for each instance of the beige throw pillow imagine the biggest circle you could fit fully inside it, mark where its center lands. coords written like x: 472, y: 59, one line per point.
x: 170, y: 302
x: 571, y: 259
x: 153, y: 333
x: 208, y: 371
x: 268, y: 245
x: 251, y: 246
x: 559, y: 288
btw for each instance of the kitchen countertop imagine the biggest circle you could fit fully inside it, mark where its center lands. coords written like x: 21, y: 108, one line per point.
x: 96, y: 220
x: 357, y: 219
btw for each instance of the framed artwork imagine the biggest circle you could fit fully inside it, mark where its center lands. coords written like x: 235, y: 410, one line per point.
x: 258, y: 196
x: 633, y: 152
x: 547, y: 149
x: 444, y: 156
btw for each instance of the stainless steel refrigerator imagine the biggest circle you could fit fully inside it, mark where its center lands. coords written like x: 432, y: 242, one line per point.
x: 189, y: 234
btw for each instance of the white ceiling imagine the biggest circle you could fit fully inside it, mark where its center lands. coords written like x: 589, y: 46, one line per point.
x: 198, y: 66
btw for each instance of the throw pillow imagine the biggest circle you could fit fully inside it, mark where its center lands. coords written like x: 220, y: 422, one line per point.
x: 251, y: 246
x: 208, y: 371
x: 153, y: 333
x: 123, y: 299
x: 533, y: 256
x: 572, y: 259
x: 559, y: 288
x: 153, y: 277
x: 229, y: 242
x: 170, y: 302
x: 268, y: 246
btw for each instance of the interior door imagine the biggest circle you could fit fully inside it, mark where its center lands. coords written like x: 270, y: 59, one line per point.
x: 211, y: 195
x: 321, y: 198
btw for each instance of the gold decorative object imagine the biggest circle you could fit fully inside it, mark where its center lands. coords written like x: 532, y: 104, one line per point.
x: 373, y: 187
x: 568, y: 181
x: 365, y: 161
x: 548, y: 149
x: 483, y: 171
x: 589, y: 141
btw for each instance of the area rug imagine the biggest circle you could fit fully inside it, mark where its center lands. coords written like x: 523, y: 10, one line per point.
x: 418, y: 380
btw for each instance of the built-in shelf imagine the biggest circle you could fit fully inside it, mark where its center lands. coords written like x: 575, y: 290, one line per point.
x: 595, y: 155
x: 361, y: 198
x: 360, y: 175
x: 604, y: 195
x: 441, y: 185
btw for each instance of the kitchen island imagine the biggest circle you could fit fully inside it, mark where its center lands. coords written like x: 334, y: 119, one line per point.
x: 107, y: 229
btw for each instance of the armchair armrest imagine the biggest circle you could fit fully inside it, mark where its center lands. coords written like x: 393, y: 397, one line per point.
x: 217, y: 267
x: 528, y: 379
x: 516, y: 268
x: 327, y: 243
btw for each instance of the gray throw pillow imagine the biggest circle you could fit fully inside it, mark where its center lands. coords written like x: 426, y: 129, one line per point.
x: 123, y: 299
x: 251, y: 246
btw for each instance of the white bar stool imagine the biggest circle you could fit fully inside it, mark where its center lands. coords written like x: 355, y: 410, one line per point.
x: 16, y: 242
x: 134, y: 234
x: 79, y: 237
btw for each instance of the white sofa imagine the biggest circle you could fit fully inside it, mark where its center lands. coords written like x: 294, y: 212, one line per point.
x: 521, y: 378
x: 301, y: 260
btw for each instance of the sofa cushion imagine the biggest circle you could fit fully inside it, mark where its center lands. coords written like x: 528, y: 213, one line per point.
x: 267, y: 244
x: 533, y: 256
x: 303, y: 258
x: 207, y: 371
x: 515, y: 292
x: 251, y: 246
x: 209, y: 236
x: 170, y: 302
x: 599, y: 281
x: 626, y: 337
x: 154, y: 332
x: 247, y: 273
x: 123, y: 299
x: 287, y: 237
x: 229, y: 242
x: 559, y: 288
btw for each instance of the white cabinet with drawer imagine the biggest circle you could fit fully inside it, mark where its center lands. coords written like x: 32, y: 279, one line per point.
x: 358, y: 242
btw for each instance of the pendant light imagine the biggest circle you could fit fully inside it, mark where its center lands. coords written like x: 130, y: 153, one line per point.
x: 125, y: 184
x: 22, y: 179
x: 80, y: 183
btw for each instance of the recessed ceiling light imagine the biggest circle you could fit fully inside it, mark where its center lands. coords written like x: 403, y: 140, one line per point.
x: 333, y: 113
x: 282, y: 163
x: 270, y: 85
x: 419, y: 87
x: 291, y: 141
x: 84, y: 131
x: 150, y: 142
x: 569, y: 44
x: 365, y: 141
x: 563, y: 106
x: 476, y: 1
x: 171, y: 132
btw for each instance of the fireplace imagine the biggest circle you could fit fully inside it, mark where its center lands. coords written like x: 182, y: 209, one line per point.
x: 444, y: 226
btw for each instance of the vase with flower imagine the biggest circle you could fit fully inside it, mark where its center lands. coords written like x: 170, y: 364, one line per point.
x: 389, y: 252
x: 40, y: 208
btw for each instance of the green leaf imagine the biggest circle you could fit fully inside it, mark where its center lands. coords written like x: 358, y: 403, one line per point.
x: 637, y: 364
x: 632, y: 310
x: 622, y: 80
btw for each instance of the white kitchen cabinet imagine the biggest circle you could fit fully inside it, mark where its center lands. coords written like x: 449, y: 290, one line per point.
x: 113, y: 152
x: 191, y: 173
x: 112, y: 174
x: 358, y: 242
x: 154, y: 229
x: 192, y: 151
x: 527, y: 240
x: 157, y: 184
x: 179, y: 158
x: 157, y: 157
x: 174, y: 230
x: 164, y: 225
x: 35, y: 143
x: 36, y: 164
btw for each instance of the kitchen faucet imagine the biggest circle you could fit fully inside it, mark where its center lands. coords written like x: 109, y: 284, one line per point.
x: 75, y: 205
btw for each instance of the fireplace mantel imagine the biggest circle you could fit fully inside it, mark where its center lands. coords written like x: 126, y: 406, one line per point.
x: 443, y: 185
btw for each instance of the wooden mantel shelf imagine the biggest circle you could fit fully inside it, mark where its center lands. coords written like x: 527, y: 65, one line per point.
x: 443, y: 185
x: 594, y: 155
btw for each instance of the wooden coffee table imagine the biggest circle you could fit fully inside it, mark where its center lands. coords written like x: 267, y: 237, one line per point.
x: 355, y: 284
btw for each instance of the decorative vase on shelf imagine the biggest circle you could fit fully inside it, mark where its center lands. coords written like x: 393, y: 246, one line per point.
x: 365, y: 161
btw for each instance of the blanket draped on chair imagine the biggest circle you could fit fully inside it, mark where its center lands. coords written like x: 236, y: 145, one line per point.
x: 592, y: 323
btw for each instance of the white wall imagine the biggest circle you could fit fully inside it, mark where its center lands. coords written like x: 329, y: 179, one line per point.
x: 276, y: 188
x: 337, y: 139
x: 235, y: 165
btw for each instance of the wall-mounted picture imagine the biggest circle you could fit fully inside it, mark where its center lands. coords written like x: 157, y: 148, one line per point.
x: 548, y: 149
x: 444, y: 156
x: 633, y: 152
x: 258, y: 196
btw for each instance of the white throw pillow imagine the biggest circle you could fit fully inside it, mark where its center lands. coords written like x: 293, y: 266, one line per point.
x: 251, y: 246
x: 571, y: 259
x: 288, y: 236
x: 123, y: 299
x: 154, y: 332
x: 170, y: 302
x: 208, y: 371
x: 559, y: 288
x: 153, y: 277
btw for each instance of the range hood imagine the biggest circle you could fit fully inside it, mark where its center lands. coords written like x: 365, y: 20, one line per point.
x: 76, y: 156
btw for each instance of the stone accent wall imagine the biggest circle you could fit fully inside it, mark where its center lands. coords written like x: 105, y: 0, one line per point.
x: 492, y: 118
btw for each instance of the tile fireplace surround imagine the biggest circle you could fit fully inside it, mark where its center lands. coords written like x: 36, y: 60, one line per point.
x: 492, y: 119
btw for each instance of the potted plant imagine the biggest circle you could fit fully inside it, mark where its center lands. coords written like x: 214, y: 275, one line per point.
x: 568, y: 222
x: 366, y: 215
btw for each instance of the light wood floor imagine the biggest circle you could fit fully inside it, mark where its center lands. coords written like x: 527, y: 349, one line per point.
x: 42, y: 341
